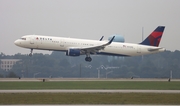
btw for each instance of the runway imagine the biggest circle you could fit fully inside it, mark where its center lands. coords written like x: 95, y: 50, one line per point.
x: 89, y: 91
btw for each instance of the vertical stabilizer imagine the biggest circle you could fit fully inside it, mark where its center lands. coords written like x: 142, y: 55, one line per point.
x: 155, y: 37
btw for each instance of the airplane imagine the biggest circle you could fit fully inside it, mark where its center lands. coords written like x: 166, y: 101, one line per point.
x: 77, y: 47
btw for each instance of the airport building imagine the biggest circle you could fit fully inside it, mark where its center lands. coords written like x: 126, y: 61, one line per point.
x: 7, y: 64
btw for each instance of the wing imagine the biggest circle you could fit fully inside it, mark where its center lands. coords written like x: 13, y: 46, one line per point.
x: 94, y: 49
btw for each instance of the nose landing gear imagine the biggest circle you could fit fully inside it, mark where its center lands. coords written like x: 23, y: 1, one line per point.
x: 31, y: 53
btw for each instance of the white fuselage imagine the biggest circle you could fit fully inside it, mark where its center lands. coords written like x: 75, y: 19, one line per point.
x: 63, y: 44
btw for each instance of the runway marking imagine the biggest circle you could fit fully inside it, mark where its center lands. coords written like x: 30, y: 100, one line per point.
x: 89, y: 91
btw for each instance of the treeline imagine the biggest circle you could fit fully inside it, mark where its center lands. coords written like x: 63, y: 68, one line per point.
x: 57, y: 65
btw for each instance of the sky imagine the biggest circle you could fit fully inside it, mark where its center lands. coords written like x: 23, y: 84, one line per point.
x: 88, y: 19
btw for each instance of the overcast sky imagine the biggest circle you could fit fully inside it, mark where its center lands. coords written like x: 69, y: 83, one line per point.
x: 89, y: 19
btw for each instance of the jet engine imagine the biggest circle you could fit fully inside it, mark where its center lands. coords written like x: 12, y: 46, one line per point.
x: 73, y: 52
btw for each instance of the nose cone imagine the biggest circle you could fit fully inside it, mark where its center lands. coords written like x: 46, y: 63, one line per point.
x: 17, y: 42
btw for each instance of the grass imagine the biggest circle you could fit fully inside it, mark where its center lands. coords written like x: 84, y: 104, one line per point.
x: 150, y: 85
x: 88, y: 98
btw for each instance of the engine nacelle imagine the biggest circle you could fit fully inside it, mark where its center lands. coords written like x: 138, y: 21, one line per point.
x: 73, y: 52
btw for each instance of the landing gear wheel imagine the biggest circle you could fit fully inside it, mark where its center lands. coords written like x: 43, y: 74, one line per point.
x: 88, y: 59
x: 30, y: 54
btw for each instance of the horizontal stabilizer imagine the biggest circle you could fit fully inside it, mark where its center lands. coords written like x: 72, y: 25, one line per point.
x: 154, y: 49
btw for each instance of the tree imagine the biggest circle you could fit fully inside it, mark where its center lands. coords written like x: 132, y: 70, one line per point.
x: 12, y: 75
x: 59, y: 65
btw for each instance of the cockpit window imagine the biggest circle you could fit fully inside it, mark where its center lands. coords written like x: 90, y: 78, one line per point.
x: 23, y: 38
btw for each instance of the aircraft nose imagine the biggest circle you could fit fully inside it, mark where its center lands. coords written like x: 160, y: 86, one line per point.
x: 17, y: 42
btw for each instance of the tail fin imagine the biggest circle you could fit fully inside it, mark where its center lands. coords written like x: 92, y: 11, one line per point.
x: 155, y: 37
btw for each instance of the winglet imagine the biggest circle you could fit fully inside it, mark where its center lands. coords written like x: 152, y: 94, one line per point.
x: 101, y: 38
x: 111, y: 40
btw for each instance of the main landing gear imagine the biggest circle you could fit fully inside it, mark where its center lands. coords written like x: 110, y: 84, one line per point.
x: 88, y: 58
x: 31, y: 53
